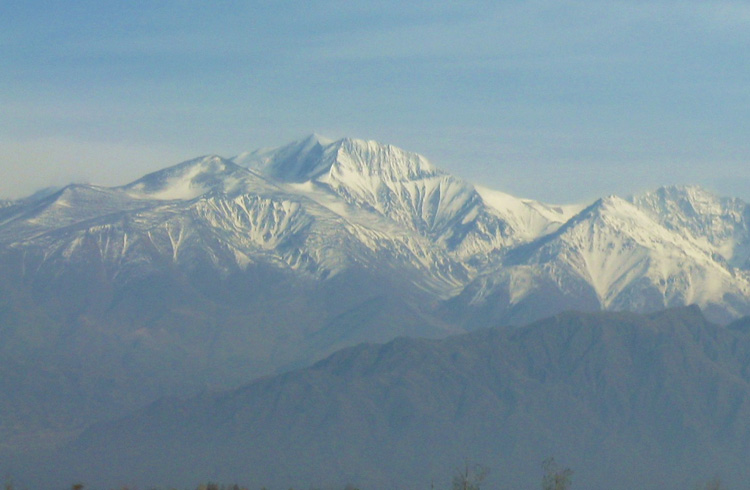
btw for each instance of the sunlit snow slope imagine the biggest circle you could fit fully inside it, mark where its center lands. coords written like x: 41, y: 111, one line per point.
x: 318, y: 207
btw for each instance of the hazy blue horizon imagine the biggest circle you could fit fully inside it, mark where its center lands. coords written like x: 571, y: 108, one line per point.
x: 557, y: 101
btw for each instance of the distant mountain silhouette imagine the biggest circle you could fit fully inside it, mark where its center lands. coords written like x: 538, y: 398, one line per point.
x: 655, y: 401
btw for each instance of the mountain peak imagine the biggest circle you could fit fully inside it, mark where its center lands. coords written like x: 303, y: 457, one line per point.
x: 316, y: 138
x: 188, y: 180
x: 376, y: 160
x: 604, y: 208
x: 319, y: 158
x: 298, y: 161
x: 715, y: 223
x: 684, y: 199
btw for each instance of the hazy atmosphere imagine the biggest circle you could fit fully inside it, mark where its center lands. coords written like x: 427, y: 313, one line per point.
x: 227, y: 263
x: 600, y: 98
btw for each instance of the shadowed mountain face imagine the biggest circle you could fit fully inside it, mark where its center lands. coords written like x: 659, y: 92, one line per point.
x: 209, y: 273
x: 628, y: 401
x: 84, y: 350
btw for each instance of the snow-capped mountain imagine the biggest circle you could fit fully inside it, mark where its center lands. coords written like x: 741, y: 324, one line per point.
x: 528, y: 218
x: 210, y: 209
x: 627, y: 255
x: 217, y: 270
x: 720, y: 225
x: 320, y: 207
x: 401, y: 186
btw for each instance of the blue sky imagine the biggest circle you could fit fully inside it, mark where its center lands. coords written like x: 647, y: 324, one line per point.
x: 555, y: 100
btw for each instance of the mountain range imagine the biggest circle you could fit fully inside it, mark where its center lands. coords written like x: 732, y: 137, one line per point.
x: 318, y: 209
x: 209, y: 273
x: 658, y: 401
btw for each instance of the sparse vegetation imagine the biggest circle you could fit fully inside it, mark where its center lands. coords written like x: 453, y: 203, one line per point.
x: 469, y: 477
x: 216, y: 486
x: 555, y: 478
